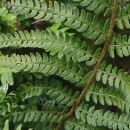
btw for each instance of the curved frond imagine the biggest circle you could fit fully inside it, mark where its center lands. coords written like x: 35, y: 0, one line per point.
x: 47, y: 65
x: 110, y: 96
x: 69, y: 15
x: 54, y: 42
x: 7, y: 17
x: 100, y: 118
x: 98, y: 6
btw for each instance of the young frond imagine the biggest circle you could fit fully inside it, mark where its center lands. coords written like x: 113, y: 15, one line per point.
x: 110, y: 96
x: 82, y: 21
x: 54, y: 42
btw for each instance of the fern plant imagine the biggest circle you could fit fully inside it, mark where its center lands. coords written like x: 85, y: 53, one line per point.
x: 55, y: 72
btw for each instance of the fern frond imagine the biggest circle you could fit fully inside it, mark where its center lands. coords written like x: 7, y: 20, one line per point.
x: 34, y: 116
x: 54, y: 42
x: 6, y: 126
x: 6, y: 76
x: 74, y: 124
x: 8, y: 103
x: 123, y: 18
x: 100, y: 118
x: 54, y: 89
x: 70, y: 16
x: 110, y: 96
x: 120, y: 45
x: 98, y: 6
x: 47, y: 65
x: 114, y: 77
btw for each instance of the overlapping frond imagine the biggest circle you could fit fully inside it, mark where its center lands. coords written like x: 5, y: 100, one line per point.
x: 34, y: 116
x: 47, y: 65
x: 110, y: 96
x: 103, y: 118
x: 92, y: 27
x: 54, y: 42
x: 98, y: 6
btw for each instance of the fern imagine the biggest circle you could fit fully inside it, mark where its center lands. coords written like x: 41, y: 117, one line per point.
x: 73, y: 124
x: 120, y: 46
x: 113, y: 77
x: 123, y: 17
x: 34, y: 116
x: 108, y: 96
x: 7, y: 17
x: 55, y: 43
x: 55, y: 60
x: 98, y: 6
x: 57, y: 91
x: 100, y: 118
x: 6, y: 126
x: 44, y: 64
x: 71, y: 17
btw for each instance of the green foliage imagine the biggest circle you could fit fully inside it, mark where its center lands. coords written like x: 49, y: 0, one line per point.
x: 120, y: 46
x: 98, y: 6
x: 54, y: 42
x: 7, y: 19
x: 48, y: 52
x: 113, y: 76
x: 108, y: 96
x: 6, y: 126
x: 123, y: 17
x: 100, y: 118
x: 70, y: 16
